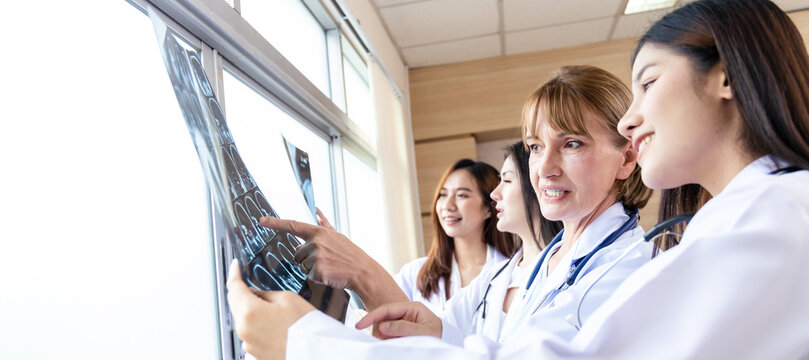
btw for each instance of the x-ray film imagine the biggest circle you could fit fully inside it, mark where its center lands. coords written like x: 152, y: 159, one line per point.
x: 266, y: 256
x: 299, y: 160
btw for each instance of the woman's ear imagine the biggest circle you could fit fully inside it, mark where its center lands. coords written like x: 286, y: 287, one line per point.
x: 630, y: 158
x: 719, y: 81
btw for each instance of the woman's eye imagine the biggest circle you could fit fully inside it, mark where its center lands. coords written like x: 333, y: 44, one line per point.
x: 442, y: 195
x: 534, y: 148
x: 647, y: 84
x: 573, y: 144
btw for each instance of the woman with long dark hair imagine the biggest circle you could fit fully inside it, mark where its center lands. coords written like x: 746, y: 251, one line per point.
x: 466, y: 240
x: 483, y: 307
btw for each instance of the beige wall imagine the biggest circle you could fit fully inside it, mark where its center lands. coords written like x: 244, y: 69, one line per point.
x: 482, y: 99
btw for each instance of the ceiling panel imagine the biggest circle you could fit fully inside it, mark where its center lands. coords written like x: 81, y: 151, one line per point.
x: 383, y: 3
x: 636, y: 24
x: 427, y: 22
x: 454, y: 51
x: 527, y: 14
x: 558, y: 36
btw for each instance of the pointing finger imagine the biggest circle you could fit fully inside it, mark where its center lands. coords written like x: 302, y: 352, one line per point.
x: 293, y: 227
x: 399, y: 328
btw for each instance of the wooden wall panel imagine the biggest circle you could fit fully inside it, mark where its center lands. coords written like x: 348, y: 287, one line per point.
x: 648, y: 215
x: 487, y: 95
x: 427, y: 230
x: 484, y: 98
x: 433, y: 158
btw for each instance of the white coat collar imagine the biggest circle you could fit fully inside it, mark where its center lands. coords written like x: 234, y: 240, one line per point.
x: 762, y: 166
x: 751, y: 175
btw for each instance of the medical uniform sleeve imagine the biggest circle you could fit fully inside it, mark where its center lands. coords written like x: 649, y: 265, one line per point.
x: 407, y: 277
x: 459, y: 313
x: 317, y: 336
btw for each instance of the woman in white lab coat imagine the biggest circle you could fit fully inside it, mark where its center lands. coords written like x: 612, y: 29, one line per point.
x: 720, y: 100
x: 585, y: 175
x: 466, y: 240
x: 482, y: 308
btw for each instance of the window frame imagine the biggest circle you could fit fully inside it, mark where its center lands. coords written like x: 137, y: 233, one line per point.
x: 226, y: 41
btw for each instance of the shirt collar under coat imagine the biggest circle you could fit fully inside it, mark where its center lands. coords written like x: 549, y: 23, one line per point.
x: 455, y: 275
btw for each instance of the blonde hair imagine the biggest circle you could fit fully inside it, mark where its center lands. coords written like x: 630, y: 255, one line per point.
x: 565, y: 98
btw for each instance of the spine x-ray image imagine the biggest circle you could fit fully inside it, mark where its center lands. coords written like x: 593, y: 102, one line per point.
x: 266, y: 256
x: 299, y: 160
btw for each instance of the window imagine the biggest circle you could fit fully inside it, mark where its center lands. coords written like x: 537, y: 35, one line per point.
x: 359, y: 104
x: 292, y: 30
x: 365, y: 215
x: 109, y: 206
x: 257, y: 126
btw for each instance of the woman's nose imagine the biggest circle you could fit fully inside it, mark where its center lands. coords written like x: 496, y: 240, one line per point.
x: 629, y: 122
x: 495, y: 195
x: 448, y: 203
x: 548, y: 165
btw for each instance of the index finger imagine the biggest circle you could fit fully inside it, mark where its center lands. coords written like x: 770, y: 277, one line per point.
x: 293, y: 227
x: 385, y: 312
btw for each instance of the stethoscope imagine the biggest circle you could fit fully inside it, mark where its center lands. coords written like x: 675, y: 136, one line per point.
x: 575, y: 267
x: 578, y: 264
x: 648, y: 236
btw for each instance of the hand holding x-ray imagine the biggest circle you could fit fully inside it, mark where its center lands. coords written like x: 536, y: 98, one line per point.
x: 252, y: 308
x: 332, y: 259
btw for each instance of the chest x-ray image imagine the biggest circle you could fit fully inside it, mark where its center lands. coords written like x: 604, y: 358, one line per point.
x: 299, y: 160
x: 266, y: 256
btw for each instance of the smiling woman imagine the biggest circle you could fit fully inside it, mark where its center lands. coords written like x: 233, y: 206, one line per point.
x: 466, y: 238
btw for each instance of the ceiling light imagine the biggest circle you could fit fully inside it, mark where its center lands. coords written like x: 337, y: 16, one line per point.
x: 636, y: 6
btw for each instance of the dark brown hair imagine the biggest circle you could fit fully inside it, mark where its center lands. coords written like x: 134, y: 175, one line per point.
x: 547, y: 228
x: 439, y: 260
x: 767, y: 66
x: 565, y: 98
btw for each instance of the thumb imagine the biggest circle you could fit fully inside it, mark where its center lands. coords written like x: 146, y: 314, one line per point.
x: 276, y: 297
x: 322, y: 221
